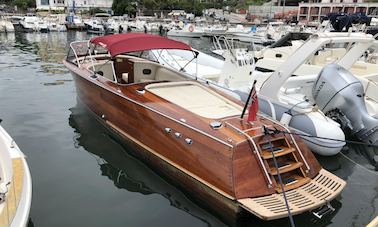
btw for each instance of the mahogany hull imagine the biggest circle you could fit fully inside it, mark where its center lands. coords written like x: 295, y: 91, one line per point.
x: 206, y: 160
x: 224, y: 162
x: 226, y: 209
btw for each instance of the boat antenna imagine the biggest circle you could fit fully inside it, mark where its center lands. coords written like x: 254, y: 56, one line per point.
x: 249, y: 97
x: 267, y: 133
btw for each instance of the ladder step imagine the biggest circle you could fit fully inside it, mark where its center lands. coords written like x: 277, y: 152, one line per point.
x: 289, y: 181
x: 286, y: 167
x: 324, y: 210
x: 278, y: 151
x: 293, y: 183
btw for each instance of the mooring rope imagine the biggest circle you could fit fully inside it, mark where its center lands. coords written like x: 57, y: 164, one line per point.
x: 325, y: 138
x: 292, y: 224
x: 276, y: 131
x: 359, y: 165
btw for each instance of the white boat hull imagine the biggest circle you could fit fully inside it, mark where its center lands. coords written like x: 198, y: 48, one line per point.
x: 19, y: 190
x: 179, y: 33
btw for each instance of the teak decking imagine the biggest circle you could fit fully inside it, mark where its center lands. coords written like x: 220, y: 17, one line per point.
x: 14, y: 194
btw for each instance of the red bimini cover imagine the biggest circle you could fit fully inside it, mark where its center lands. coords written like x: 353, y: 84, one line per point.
x: 132, y: 42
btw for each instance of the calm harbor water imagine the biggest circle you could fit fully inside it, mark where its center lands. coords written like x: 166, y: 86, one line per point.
x: 83, y: 177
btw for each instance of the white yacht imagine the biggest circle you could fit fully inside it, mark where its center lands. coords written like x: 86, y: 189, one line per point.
x: 94, y: 26
x: 28, y: 23
x: 41, y: 25
x: 188, y: 30
x: 74, y: 22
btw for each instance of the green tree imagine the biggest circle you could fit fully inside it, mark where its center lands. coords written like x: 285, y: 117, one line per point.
x: 93, y: 11
x: 24, y: 4
x: 121, y: 7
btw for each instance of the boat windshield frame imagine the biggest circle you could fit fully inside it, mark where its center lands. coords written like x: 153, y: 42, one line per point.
x: 82, y: 51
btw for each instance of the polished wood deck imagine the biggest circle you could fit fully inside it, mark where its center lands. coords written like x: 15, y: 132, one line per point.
x: 14, y: 194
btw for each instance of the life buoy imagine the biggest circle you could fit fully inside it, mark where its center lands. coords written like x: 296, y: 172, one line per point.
x: 191, y: 28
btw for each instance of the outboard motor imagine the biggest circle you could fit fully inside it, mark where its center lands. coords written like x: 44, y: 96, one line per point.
x: 338, y: 93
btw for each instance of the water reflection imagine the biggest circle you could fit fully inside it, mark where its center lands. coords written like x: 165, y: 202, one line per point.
x: 125, y: 171
x: 48, y: 48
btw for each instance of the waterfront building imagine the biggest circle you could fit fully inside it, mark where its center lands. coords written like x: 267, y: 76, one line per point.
x: 271, y: 10
x: 314, y: 11
x: 78, y: 4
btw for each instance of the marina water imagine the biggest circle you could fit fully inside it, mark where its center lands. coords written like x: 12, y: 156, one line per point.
x: 83, y: 177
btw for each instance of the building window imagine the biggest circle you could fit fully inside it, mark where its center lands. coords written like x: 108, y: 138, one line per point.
x: 45, y: 2
x: 85, y: 2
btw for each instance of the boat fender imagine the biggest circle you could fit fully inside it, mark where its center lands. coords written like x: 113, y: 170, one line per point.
x: 286, y: 118
x: 191, y: 28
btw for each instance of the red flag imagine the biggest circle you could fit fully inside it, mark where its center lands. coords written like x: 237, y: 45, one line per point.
x: 254, y: 107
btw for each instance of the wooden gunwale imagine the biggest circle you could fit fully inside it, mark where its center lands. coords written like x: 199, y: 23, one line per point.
x: 94, y: 80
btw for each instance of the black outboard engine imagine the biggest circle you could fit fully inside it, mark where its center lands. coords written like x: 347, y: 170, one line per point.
x: 338, y: 93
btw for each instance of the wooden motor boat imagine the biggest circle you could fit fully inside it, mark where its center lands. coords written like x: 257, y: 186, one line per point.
x: 193, y: 133
x: 15, y: 183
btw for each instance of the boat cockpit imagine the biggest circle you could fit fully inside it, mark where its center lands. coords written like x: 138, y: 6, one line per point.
x: 164, y: 82
x: 135, y: 67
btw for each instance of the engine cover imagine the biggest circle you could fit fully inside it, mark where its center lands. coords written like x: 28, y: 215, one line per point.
x: 336, y: 86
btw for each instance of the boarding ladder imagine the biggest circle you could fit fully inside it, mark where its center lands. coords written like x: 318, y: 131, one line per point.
x: 289, y: 165
x: 292, y: 165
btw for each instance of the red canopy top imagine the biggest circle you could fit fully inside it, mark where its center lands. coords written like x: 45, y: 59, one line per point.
x: 132, y: 42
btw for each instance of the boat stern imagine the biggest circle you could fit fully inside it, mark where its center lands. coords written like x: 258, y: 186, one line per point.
x: 318, y: 192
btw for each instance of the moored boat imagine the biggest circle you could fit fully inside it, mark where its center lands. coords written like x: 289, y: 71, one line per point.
x: 74, y: 22
x: 15, y: 183
x: 235, y: 74
x: 188, y: 30
x: 28, y: 23
x: 196, y: 131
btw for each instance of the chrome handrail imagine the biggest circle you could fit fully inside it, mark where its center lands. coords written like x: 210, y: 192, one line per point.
x: 256, y: 151
x: 295, y: 143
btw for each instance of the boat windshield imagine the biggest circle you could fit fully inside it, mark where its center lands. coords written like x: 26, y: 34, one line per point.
x: 80, y: 49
